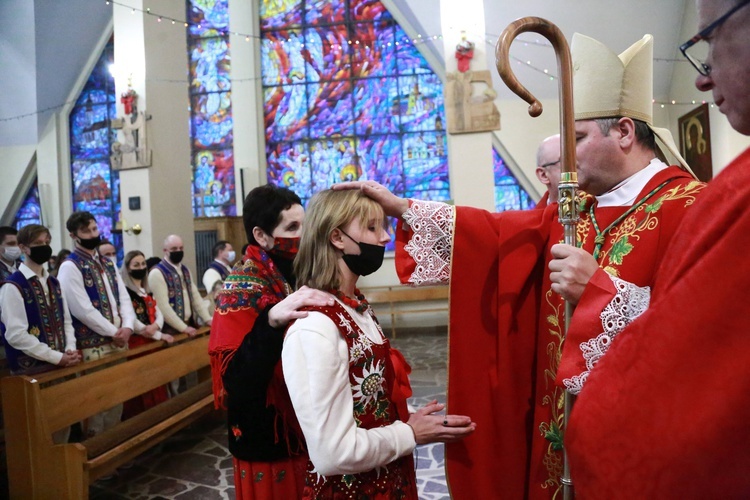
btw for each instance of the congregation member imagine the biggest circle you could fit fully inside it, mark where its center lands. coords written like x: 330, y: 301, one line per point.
x: 508, y: 365
x: 9, y: 251
x: 61, y: 256
x: 147, y: 325
x: 39, y: 331
x: 176, y: 294
x: 665, y: 412
x: 99, y: 303
x: 347, y: 385
x: 253, y: 309
x: 218, y: 270
x: 107, y: 250
x: 548, y: 168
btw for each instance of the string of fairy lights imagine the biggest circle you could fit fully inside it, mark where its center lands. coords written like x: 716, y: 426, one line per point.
x: 489, y: 39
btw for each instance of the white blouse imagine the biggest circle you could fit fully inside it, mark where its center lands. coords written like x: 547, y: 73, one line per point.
x: 315, y: 358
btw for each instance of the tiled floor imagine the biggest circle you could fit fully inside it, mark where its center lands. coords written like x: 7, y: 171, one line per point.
x: 195, y: 463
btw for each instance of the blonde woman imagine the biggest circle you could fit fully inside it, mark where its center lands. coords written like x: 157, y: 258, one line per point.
x: 347, y: 385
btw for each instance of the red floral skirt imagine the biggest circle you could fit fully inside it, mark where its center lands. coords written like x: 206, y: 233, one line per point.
x: 279, y: 480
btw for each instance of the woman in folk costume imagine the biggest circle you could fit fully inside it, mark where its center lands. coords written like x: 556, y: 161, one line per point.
x: 252, y: 310
x: 347, y: 385
x: 147, y: 326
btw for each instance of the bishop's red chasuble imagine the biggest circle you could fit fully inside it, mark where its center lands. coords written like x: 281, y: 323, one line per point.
x: 665, y: 414
x: 506, y: 325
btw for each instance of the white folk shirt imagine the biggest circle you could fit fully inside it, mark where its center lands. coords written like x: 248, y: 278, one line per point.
x: 159, y: 288
x: 71, y: 282
x: 17, y: 325
x: 316, y: 369
x: 211, y: 276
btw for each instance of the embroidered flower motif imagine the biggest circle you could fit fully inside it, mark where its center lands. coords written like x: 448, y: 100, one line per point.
x: 345, y: 323
x: 236, y: 432
x: 370, y: 386
x: 359, y: 349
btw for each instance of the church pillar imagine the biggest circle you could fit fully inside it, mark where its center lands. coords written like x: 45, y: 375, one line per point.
x: 469, y: 154
x: 153, y: 56
x: 247, y: 103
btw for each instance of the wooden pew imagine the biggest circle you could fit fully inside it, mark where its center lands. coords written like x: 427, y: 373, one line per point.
x: 396, y: 301
x: 36, y: 406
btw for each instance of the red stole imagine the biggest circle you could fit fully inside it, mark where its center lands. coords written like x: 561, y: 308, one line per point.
x: 664, y: 414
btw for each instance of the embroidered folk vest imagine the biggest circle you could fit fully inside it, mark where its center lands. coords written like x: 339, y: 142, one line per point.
x: 371, y: 376
x: 90, y: 267
x: 174, y: 288
x: 222, y: 270
x: 46, y: 321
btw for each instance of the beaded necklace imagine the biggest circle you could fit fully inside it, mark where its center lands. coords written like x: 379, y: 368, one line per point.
x: 359, y: 304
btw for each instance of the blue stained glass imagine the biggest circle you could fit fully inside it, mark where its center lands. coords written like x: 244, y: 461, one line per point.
x: 325, y: 53
x: 90, y: 129
x: 30, y: 211
x: 105, y: 224
x: 431, y: 195
x: 276, y: 14
x: 288, y: 166
x: 92, y: 187
x: 376, y: 105
x: 285, y: 112
x: 410, y: 60
x: 208, y: 17
x: 330, y: 109
x: 421, y: 102
x: 359, y: 118
x: 368, y: 10
x: 213, y: 183
x: 375, y: 54
x: 380, y: 157
x: 212, y: 120
x: 325, y: 11
x: 508, y: 194
x: 209, y: 65
x: 94, y: 95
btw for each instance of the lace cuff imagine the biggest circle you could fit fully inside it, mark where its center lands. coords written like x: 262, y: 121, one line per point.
x: 630, y: 302
x: 430, y: 246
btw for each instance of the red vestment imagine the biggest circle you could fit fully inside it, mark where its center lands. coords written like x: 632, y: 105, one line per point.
x: 665, y: 413
x: 506, y: 328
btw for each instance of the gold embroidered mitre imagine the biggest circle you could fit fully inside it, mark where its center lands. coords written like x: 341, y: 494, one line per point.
x: 606, y: 85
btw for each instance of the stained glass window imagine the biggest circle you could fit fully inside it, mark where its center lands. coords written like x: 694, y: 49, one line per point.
x: 211, y: 125
x: 348, y: 96
x: 30, y: 211
x: 96, y: 185
x: 509, y: 195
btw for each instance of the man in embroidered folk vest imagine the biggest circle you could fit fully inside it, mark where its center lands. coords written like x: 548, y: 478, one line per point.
x: 665, y: 412
x: 99, y: 303
x: 9, y: 251
x: 39, y: 333
x: 176, y: 294
x: 506, y: 321
x: 221, y: 266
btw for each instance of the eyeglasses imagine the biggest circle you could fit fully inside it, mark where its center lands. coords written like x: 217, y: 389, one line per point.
x: 552, y: 163
x: 698, y: 46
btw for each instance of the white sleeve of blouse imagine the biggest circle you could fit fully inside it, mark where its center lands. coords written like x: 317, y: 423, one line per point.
x: 316, y: 369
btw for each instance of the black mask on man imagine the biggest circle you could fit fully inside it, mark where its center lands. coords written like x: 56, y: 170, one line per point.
x: 40, y: 254
x: 176, y: 257
x: 368, y: 261
x: 90, y: 243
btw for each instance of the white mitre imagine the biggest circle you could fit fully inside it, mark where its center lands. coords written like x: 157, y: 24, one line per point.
x: 606, y: 85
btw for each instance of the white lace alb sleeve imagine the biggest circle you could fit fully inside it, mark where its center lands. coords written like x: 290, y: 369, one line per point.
x: 431, y: 244
x: 630, y: 302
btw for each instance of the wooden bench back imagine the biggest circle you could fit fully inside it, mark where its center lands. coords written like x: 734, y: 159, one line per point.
x: 382, y: 295
x: 89, y: 392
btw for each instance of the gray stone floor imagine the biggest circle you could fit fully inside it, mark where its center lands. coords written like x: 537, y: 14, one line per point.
x: 195, y: 463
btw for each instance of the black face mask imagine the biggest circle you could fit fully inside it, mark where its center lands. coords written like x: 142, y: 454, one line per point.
x: 138, y: 274
x: 176, y: 257
x: 40, y: 254
x: 368, y: 261
x: 90, y: 243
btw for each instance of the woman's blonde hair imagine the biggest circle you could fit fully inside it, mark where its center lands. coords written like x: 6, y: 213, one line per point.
x: 316, y: 264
